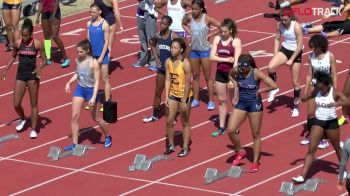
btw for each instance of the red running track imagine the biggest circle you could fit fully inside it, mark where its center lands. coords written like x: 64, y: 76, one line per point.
x: 26, y: 169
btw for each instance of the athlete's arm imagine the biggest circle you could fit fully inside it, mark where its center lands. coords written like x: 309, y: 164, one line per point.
x: 117, y: 14
x: 333, y: 69
x: 167, y: 81
x: 96, y: 69
x: 12, y: 59
x: 277, y: 40
x: 271, y: 85
x: 308, y: 77
x: 188, y: 74
x: 185, y: 21
x: 105, y: 28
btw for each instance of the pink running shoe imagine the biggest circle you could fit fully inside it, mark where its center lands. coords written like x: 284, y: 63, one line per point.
x: 239, y: 156
x: 254, y: 168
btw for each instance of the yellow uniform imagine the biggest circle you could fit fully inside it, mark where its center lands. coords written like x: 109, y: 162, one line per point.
x: 13, y: 2
x: 177, y: 80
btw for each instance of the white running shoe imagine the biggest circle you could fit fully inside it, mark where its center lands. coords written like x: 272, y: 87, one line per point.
x: 305, y: 141
x: 149, y: 119
x: 295, y: 112
x: 341, y: 144
x: 298, y: 179
x: 272, y: 95
x: 323, y: 144
x: 33, y: 134
x: 20, y: 124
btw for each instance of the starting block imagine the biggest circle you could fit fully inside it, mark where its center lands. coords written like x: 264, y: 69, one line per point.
x: 141, y: 163
x: 8, y: 137
x: 310, y: 185
x: 212, y: 175
x: 79, y: 150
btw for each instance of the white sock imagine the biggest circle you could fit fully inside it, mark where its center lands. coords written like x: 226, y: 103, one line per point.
x: 285, y: 4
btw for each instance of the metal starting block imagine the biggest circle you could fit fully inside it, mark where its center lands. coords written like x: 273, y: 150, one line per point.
x: 212, y: 175
x: 79, y: 150
x: 310, y: 185
x: 141, y: 163
x: 8, y: 137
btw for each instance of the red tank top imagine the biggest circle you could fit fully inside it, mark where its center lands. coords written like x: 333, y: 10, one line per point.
x: 48, y: 6
x: 225, y: 52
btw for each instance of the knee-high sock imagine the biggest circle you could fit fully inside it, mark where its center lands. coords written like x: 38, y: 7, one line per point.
x: 47, y: 44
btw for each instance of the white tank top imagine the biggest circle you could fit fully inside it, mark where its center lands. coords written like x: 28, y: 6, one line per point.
x: 323, y: 112
x: 289, y: 38
x: 320, y: 65
x: 176, y: 12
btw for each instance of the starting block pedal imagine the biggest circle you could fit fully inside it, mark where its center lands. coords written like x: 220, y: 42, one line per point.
x: 8, y: 137
x: 141, y: 163
x: 79, y: 150
x: 310, y: 185
x: 212, y: 175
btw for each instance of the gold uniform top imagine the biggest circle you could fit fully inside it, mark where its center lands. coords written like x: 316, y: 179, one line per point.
x: 177, y: 80
x: 13, y: 2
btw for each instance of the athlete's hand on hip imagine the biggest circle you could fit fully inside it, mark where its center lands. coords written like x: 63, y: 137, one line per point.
x: 67, y: 88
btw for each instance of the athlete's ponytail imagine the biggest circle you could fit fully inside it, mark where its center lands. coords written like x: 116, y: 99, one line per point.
x: 27, y: 25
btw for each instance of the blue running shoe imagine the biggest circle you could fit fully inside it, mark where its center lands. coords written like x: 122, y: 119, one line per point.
x: 137, y: 65
x: 69, y: 147
x: 48, y: 62
x: 195, y: 103
x: 211, y: 105
x: 108, y: 142
x: 65, y: 63
x: 152, y: 67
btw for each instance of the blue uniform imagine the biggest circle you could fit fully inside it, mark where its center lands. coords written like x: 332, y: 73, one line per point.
x: 97, y: 40
x: 164, y: 46
x: 248, y: 99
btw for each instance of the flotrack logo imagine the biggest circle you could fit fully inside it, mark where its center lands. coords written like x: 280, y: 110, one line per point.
x: 317, y: 11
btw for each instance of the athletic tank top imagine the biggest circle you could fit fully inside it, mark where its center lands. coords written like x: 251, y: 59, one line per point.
x: 164, y: 49
x: 199, y: 35
x: 289, y: 38
x: 176, y: 12
x: 177, y: 79
x: 97, y: 38
x: 225, y: 52
x: 322, y: 111
x: 248, y: 87
x: 27, y: 57
x: 48, y: 6
x: 13, y: 2
x: 323, y: 65
x: 85, y: 73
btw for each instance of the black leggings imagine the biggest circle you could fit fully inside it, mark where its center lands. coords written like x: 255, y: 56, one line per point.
x: 348, y: 185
